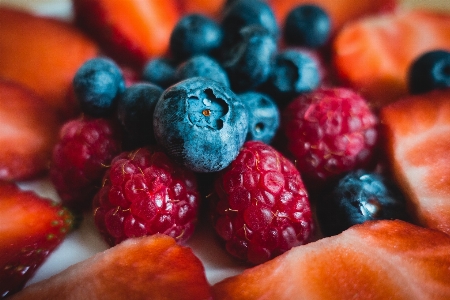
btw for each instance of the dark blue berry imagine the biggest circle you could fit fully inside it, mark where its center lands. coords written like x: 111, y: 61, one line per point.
x: 202, y: 66
x: 97, y: 85
x: 195, y: 34
x: 135, y: 111
x: 249, y: 61
x: 159, y: 71
x: 201, y: 124
x: 359, y: 197
x: 263, y: 116
x: 430, y: 71
x: 293, y: 72
x: 242, y: 13
x: 307, y: 26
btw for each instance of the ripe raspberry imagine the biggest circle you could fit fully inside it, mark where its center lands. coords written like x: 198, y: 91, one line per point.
x: 330, y: 131
x: 145, y: 193
x: 79, y: 158
x: 262, y: 208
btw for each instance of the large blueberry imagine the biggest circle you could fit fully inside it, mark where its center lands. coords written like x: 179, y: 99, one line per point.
x: 263, y: 116
x: 97, y: 85
x: 429, y: 71
x: 249, y: 61
x: 202, y: 66
x: 135, y: 112
x: 201, y: 124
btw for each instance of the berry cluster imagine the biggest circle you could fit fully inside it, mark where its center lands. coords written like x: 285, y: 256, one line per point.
x: 226, y: 90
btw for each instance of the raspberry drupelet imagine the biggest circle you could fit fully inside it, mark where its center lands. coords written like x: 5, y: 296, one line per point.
x: 145, y: 193
x: 261, y: 208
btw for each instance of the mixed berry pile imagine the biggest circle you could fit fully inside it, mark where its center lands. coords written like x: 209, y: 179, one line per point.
x: 270, y: 122
x: 253, y: 105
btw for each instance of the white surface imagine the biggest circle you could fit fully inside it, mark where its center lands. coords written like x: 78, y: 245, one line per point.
x: 85, y: 241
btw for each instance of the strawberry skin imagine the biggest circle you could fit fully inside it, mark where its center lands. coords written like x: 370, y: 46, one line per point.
x: 43, y: 54
x: 130, y: 31
x: 373, y: 55
x: 374, y: 260
x: 151, y: 267
x: 28, y: 133
x: 416, y: 131
x: 31, y: 227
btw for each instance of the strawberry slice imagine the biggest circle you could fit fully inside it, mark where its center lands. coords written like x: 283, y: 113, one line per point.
x: 373, y: 55
x: 375, y: 260
x: 29, y: 130
x: 131, y: 31
x: 31, y: 227
x: 152, y: 267
x: 416, y: 131
x: 340, y: 11
x: 44, y: 55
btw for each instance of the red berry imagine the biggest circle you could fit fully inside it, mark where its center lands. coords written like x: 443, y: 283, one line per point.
x: 145, y: 193
x: 85, y: 147
x: 330, y: 131
x: 262, y: 208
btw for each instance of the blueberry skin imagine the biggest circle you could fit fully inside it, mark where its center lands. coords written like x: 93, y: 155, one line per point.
x: 242, y: 13
x: 97, y: 85
x: 263, y: 116
x: 429, y: 71
x: 307, y: 26
x: 249, y: 61
x: 358, y: 197
x: 135, y: 112
x: 195, y: 34
x: 202, y: 66
x: 293, y: 72
x: 159, y: 71
x: 201, y: 124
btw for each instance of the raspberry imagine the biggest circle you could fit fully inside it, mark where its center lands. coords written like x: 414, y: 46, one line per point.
x: 262, y: 208
x: 79, y: 158
x: 145, y: 193
x: 330, y: 131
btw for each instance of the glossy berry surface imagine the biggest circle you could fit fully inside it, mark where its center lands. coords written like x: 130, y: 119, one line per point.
x: 195, y: 34
x: 97, y: 85
x: 145, y: 193
x: 84, y: 149
x: 135, y: 112
x: 308, y: 26
x: 201, y: 124
x: 263, y: 116
x: 293, y: 72
x: 248, y: 61
x: 262, y: 207
x: 202, y: 66
x: 429, y: 71
x: 330, y: 131
x: 159, y: 71
x: 359, y: 197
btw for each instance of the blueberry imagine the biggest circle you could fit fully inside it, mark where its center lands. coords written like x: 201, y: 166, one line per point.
x: 242, y: 13
x: 293, y: 72
x: 249, y: 61
x: 201, y: 124
x: 307, y: 26
x: 97, y: 85
x: 429, y: 71
x: 135, y: 112
x: 195, y: 34
x: 159, y: 71
x: 202, y: 66
x: 263, y: 116
x: 358, y: 197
